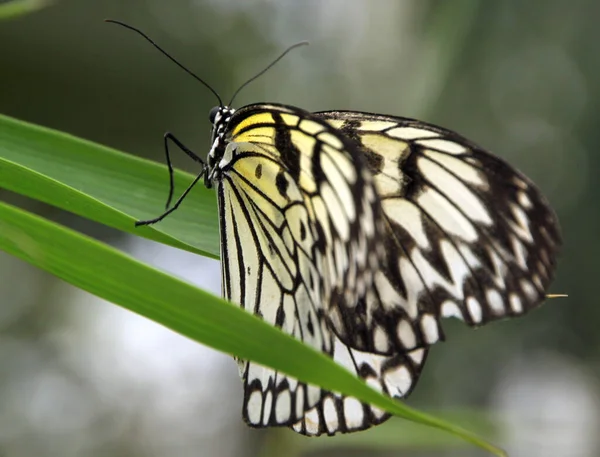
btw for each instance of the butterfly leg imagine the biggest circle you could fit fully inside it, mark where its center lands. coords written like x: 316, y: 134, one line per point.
x: 175, y: 206
x: 169, y: 136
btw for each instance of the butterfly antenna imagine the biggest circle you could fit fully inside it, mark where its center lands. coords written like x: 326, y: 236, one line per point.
x: 262, y: 72
x: 189, y: 72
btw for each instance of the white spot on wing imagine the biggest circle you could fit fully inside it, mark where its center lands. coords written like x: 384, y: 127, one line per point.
x: 411, y: 277
x: 311, y: 420
x: 450, y: 220
x: 299, y: 401
x: 515, y: 303
x: 475, y: 310
x: 429, y: 326
x: 520, y: 252
x: 455, y: 190
x: 343, y: 162
x: 408, y: 216
x: 339, y: 184
x: 377, y: 412
x: 524, y: 200
x: 417, y: 356
x: 375, y: 126
x: 432, y: 277
x: 380, y: 339
x: 310, y: 127
x: 267, y: 407
x: 330, y: 139
x: 373, y: 383
x: 270, y: 297
x: 389, y: 297
x: 283, y: 406
x: 523, y: 222
x: 406, y: 335
x: 463, y: 170
x: 495, y: 301
x: 442, y: 145
x: 254, y: 407
x: 459, y: 270
x: 330, y: 414
x: 353, y: 412
x: 529, y: 289
x: 398, y: 380
x: 468, y: 255
x: 335, y: 212
x: 411, y: 133
x: 500, y: 269
x: 451, y: 309
x: 520, y: 183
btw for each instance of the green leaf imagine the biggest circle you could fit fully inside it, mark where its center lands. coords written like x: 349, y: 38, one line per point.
x: 16, y: 8
x: 110, y: 187
x: 114, y: 276
x: 104, y: 185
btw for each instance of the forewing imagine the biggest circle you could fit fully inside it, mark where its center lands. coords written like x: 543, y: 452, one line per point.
x: 467, y: 235
x: 301, y: 229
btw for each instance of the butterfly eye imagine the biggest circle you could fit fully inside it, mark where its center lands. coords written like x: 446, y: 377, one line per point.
x: 212, y: 115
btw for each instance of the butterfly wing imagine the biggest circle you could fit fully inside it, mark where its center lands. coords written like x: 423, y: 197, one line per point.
x: 301, y: 227
x: 466, y: 234
x: 395, y: 376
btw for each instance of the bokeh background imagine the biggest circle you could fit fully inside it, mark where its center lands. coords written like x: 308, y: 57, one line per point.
x: 82, y: 377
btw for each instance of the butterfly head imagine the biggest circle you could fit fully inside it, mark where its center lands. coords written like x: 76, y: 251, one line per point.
x: 219, y: 117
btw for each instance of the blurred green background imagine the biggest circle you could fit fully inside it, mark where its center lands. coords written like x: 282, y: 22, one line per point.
x: 81, y: 377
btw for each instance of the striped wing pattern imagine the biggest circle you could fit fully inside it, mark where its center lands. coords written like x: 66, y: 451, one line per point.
x: 356, y: 233
x: 466, y: 234
x: 301, y: 228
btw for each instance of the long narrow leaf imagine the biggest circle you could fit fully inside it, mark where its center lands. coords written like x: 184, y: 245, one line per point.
x: 114, y: 276
x: 104, y: 185
x: 16, y: 8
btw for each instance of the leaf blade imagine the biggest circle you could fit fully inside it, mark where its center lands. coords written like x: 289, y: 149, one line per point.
x: 104, y: 185
x: 102, y: 270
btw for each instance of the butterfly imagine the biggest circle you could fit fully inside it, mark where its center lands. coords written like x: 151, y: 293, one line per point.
x: 356, y: 233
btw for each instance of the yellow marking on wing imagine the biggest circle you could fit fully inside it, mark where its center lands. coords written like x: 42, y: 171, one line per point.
x: 384, y: 146
x: 335, y: 123
x: 279, y: 257
x: 375, y: 126
x: 246, y: 167
x: 305, y: 143
x: 265, y: 203
x: 233, y: 292
x: 338, y: 182
x: 330, y: 139
x: 310, y: 127
x: 260, y: 118
x: 289, y: 119
x: 256, y: 135
x: 343, y: 162
x: 411, y: 133
x: 390, y: 181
